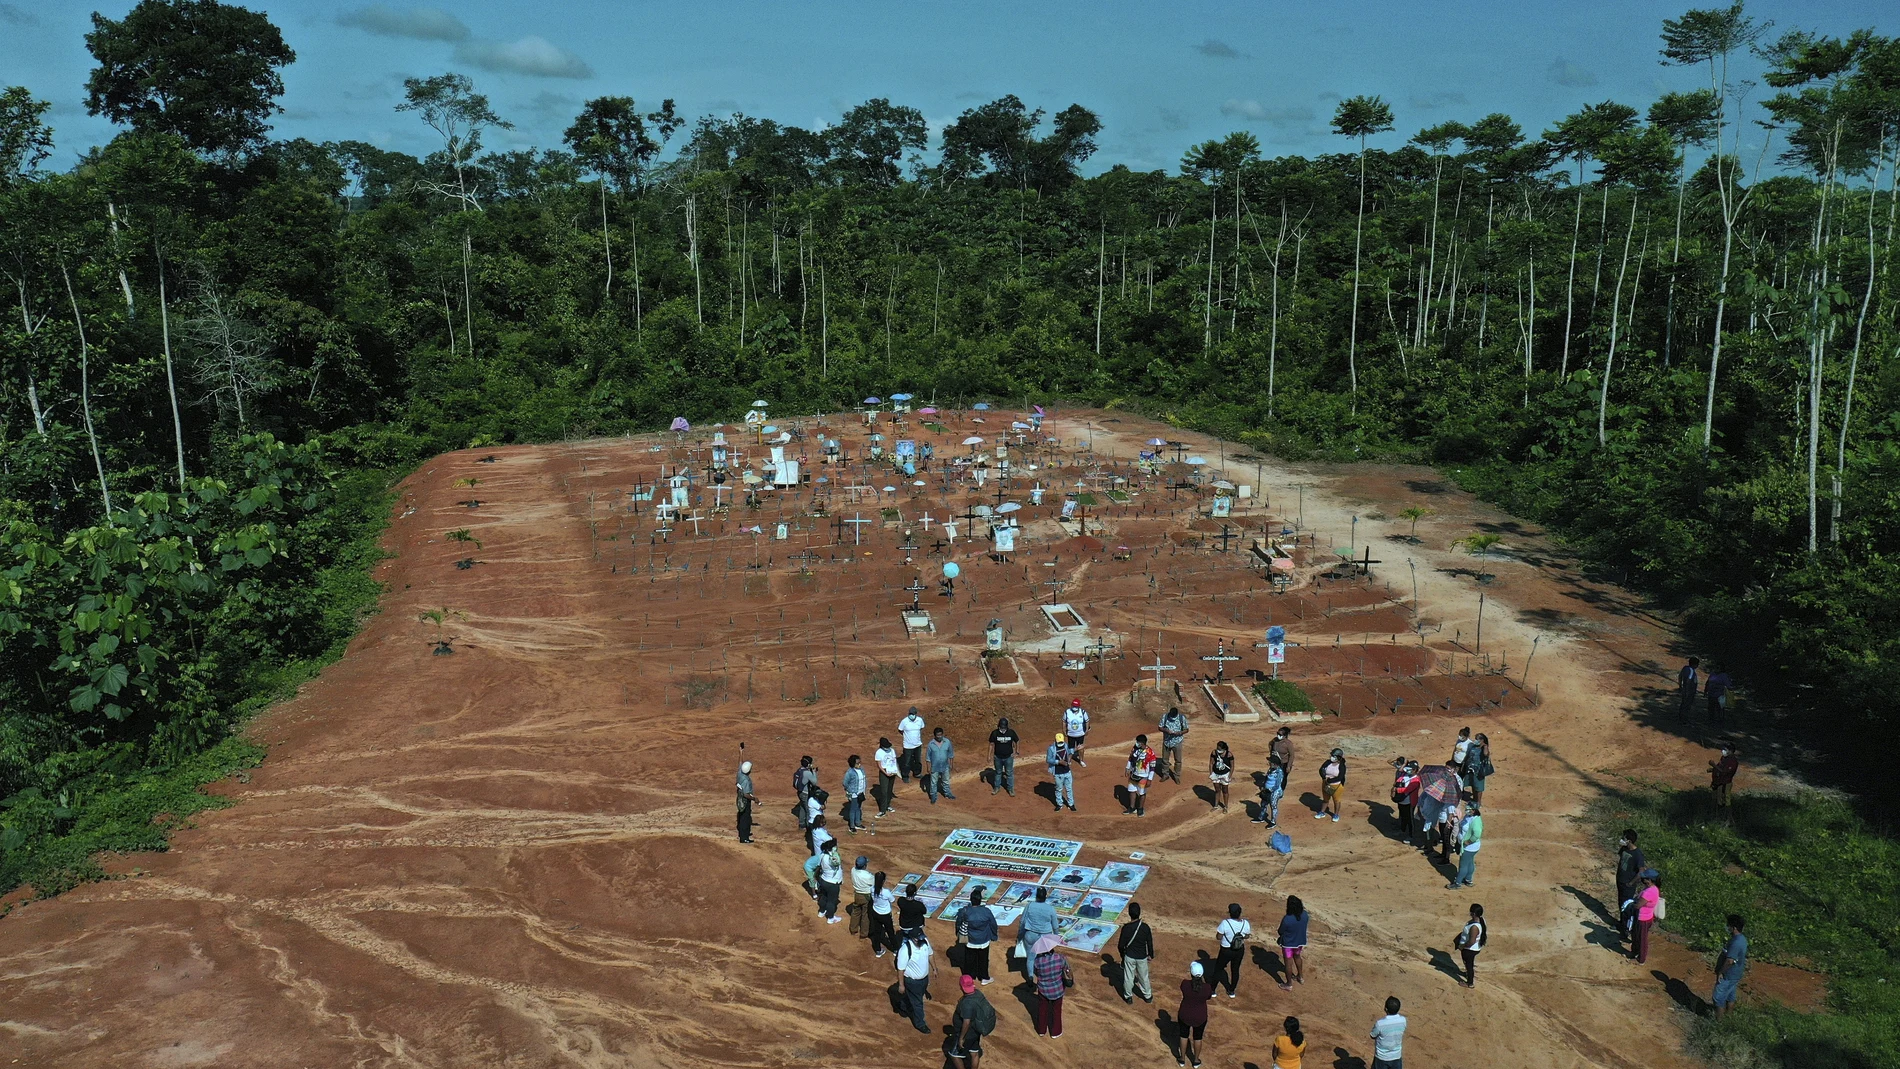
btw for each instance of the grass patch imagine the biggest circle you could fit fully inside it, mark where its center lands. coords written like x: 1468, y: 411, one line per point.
x: 1816, y: 886
x: 109, y: 811
x: 1286, y: 697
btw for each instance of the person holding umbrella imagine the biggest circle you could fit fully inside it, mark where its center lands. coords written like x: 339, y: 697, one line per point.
x: 1053, y: 979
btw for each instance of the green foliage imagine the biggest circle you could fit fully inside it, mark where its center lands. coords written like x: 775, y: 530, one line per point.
x: 205, y: 71
x: 1815, y: 886
x: 1285, y: 696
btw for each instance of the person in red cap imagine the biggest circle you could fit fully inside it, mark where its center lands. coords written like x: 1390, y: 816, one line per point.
x: 973, y: 1019
x: 1075, y: 724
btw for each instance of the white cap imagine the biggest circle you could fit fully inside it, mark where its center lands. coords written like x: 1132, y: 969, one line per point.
x: 745, y: 766
x: 1194, y: 968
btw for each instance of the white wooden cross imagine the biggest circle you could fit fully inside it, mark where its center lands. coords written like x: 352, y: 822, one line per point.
x: 857, y: 529
x: 926, y: 520
x: 694, y: 520
x: 950, y: 530
x: 1157, y: 668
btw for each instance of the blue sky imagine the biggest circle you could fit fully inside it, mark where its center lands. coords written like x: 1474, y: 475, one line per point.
x: 1161, y: 75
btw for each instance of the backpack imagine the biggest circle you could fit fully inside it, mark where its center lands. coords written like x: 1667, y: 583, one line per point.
x: 821, y: 794
x: 983, y: 1018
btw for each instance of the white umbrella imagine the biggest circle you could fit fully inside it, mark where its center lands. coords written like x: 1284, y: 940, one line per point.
x: 1197, y: 460
x: 1008, y: 507
x: 751, y: 479
x: 973, y: 440
x: 980, y: 510
x: 890, y: 489
x: 1223, y: 484
x: 1157, y: 441
x: 919, y: 482
x: 760, y: 404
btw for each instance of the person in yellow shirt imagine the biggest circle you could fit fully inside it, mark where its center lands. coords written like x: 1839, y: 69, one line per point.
x: 1290, y: 1048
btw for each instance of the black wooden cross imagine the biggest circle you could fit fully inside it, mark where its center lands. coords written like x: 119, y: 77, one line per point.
x: 1225, y: 537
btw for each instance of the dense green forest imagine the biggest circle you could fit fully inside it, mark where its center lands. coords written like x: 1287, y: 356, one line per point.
x: 221, y: 345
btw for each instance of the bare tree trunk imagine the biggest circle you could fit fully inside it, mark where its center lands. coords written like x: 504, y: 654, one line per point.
x: 448, y: 316
x: 692, y: 253
x: 824, y: 327
x: 1570, y: 288
x: 1530, y: 329
x: 171, y: 382
x: 1207, y: 301
x: 125, y: 284
x: 936, y: 310
x: 1358, y: 240
x: 1853, y: 363
x: 85, y: 393
x: 1101, y: 265
x: 468, y: 307
x: 607, y: 243
x: 639, y: 331
x: 1616, y: 302
x: 1431, y: 257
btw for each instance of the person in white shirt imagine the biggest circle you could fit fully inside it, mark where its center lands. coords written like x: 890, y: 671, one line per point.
x: 821, y: 837
x: 830, y: 882
x: 1075, y: 724
x: 916, y: 964
x: 886, y: 759
x: 1470, y: 941
x: 911, y: 729
x: 1388, y: 1038
x: 863, y: 886
x: 1232, y: 935
x: 883, y: 923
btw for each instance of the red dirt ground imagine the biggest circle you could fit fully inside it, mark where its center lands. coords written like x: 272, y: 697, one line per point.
x: 522, y: 854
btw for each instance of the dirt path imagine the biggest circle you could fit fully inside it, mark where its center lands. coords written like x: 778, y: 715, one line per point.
x: 522, y: 854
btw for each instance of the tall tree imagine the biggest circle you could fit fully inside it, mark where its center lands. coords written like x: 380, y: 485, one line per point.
x: 1359, y: 117
x: 871, y: 142
x: 1710, y: 36
x: 1216, y: 162
x: 206, y: 71
x: 1689, y: 120
x: 1581, y: 137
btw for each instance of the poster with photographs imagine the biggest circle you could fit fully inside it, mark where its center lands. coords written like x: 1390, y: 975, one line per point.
x: 939, y: 885
x: 1097, y: 905
x: 1073, y: 877
x: 1084, y: 934
x: 1065, y: 900
x: 1017, y: 894
x: 1120, y: 877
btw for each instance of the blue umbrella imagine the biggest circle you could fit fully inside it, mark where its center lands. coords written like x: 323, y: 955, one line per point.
x: 981, y: 406
x: 951, y: 571
x: 900, y: 397
x: 873, y: 401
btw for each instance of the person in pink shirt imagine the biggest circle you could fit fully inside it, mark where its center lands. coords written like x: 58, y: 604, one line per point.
x: 1647, y: 901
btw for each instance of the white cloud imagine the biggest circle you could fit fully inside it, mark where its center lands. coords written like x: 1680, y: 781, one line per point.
x: 536, y: 56
x: 420, y: 23
x: 1254, y: 111
x: 1564, y: 72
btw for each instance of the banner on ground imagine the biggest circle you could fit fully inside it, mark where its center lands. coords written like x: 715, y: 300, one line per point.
x: 1004, y: 844
x: 996, y: 867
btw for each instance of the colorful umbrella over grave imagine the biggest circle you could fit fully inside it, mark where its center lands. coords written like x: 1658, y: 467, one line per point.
x: 680, y: 424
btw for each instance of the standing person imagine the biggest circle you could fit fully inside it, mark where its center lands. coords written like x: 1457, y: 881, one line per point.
x: 1730, y: 964
x: 1174, y: 729
x: 1470, y: 840
x: 939, y: 752
x: 911, y: 730
x: 1292, y: 940
x: 1271, y: 790
x: 812, y: 865
x: 1388, y: 1038
x: 746, y: 800
x: 830, y: 882
x: 973, y: 1019
x: 1280, y: 751
x: 1716, y: 692
x: 1057, y: 758
x: 1481, y: 768
x: 1648, y: 903
x: 1137, y: 946
x: 1289, y: 1048
x: 911, y: 913
x: 1038, y: 919
x: 1220, y: 770
x: 1460, y: 749
x: 1075, y: 724
x: 1332, y: 784
x: 1232, y: 934
x: 854, y: 784
x: 1630, y: 864
x: 1471, y: 940
x: 804, y: 781
x: 820, y: 835
x: 1003, y: 758
x: 916, y: 964
x: 1405, y: 791
x: 1686, y: 681
x: 976, y: 925
x: 863, y: 886
x: 1446, y: 832
x: 1191, y: 1018
x: 883, y: 930
x: 1050, y: 971
x: 1722, y: 777
x: 1141, y: 771
x: 887, y: 769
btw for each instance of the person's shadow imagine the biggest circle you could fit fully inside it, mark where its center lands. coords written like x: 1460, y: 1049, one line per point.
x: 1343, y: 1060
x: 1678, y: 990
x: 1123, y: 797
x: 1047, y: 792
x: 1443, y: 962
x: 1311, y: 801
x: 1602, y: 926
x: 1170, y: 1032
x: 1204, y: 793
x: 1268, y: 961
x: 1384, y: 819
x: 1025, y: 993
x: 1112, y: 972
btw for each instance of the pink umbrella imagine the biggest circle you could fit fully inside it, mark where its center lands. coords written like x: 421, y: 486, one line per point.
x: 1045, y: 943
x: 926, y: 411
